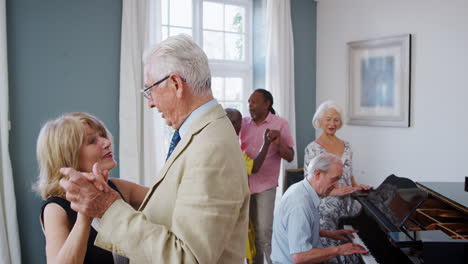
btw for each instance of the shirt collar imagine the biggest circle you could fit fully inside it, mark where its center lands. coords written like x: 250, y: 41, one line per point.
x: 195, y: 115
x: 311, y: 192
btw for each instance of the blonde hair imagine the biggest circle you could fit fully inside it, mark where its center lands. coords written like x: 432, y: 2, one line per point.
x: 327, y: 105
x: 58, y: 146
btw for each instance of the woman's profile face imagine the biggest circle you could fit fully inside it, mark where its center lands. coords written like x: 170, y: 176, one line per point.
x: 330, y: 122
x: 95, y: 148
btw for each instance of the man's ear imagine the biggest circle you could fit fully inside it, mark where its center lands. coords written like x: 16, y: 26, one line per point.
x: 178, y: 85
x: 317, y: 174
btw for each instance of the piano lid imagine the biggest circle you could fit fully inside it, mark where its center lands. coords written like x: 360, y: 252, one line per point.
x: 452, y: 193
x: 397, y: 198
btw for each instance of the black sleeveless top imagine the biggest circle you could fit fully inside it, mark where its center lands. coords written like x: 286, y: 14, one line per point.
x: 93, y: 254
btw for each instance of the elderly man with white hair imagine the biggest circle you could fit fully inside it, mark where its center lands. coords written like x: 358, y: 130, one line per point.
x: 296, y: 227
x: 196, y: 210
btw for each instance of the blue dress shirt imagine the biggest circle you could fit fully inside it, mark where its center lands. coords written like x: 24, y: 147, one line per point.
x: 296, y: 224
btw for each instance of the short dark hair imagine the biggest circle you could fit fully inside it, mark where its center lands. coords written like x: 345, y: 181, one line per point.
x: 268, y: 97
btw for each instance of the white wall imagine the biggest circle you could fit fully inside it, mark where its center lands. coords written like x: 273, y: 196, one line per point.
x: 435, y: 146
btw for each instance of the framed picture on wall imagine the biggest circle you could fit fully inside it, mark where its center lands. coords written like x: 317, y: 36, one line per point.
x: 379, y: 81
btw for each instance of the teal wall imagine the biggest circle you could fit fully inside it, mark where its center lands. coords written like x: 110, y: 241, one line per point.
x: 63, y: 56
x: 304, y: 20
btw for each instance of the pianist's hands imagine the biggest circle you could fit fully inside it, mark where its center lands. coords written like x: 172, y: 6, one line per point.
x: 350, y: 249
x: 342, y: 234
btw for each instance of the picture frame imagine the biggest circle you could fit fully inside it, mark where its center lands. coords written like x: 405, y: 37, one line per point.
x: 379, y: 81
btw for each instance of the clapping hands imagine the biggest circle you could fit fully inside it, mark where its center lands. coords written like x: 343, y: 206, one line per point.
x: 271, y: 135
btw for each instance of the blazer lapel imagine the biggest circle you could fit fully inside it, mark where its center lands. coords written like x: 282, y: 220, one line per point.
x: 214, y: 113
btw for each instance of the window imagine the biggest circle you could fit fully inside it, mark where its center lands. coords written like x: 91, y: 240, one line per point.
x: 223, y: 28
x: 176, y: 16
x: 223, y: 31
x: 228, y: 90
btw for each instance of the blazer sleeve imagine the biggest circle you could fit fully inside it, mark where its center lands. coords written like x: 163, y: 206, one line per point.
x: 207, y: 209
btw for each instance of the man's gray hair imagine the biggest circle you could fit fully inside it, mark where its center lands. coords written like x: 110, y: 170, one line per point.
x: 182, y: 56
x: 322, y: 162
x: 321, y: 112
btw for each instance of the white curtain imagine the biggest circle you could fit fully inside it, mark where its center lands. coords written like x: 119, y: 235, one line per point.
x: 279, y: 77
x: 140, y: 155
x: 9, y: 238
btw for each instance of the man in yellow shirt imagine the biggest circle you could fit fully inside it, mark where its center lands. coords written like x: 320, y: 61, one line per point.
x: 253, y: 165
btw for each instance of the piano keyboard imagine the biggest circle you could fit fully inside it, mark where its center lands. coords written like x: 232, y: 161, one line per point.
x: 368, y: 258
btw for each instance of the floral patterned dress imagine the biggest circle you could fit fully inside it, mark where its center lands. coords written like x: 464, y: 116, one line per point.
x: 332, y: 208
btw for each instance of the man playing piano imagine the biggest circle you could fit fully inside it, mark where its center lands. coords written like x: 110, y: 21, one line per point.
x: 296, y: 226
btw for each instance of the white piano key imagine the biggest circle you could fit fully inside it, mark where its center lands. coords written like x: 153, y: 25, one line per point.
x: 366, y: 258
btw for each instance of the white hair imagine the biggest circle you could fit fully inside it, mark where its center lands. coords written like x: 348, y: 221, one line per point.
x: 322, y: 162
x: 182, y: 56
x: 327, y: 105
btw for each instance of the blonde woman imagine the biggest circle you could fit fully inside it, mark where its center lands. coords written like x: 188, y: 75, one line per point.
x: 82, y: 142
x: 328, y: 118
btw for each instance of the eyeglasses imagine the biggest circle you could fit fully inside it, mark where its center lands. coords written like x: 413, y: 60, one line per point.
x: 146, y: 91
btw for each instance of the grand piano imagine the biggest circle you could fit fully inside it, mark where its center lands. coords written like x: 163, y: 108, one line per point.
x: 407, y: 222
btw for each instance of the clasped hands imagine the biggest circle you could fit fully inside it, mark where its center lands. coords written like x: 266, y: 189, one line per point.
x: 88, y: 193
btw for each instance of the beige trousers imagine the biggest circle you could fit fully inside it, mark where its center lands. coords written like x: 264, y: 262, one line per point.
x: 261, y: 213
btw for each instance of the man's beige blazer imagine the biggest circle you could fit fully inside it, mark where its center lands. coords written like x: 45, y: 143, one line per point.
x: 197, y: 208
